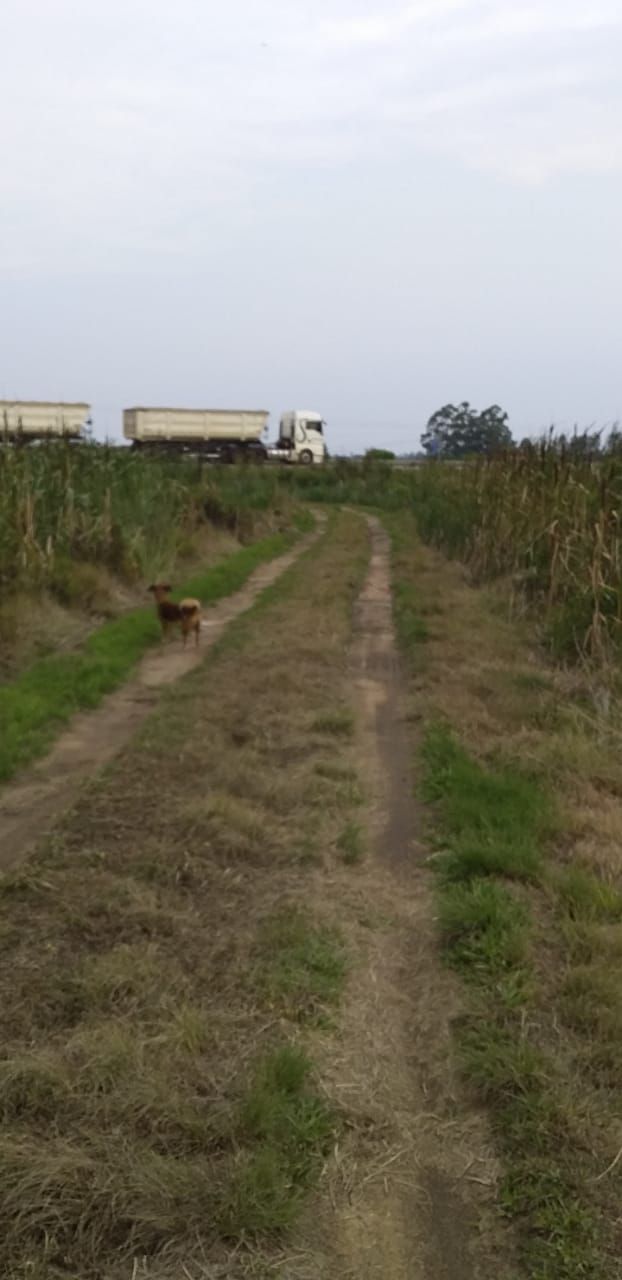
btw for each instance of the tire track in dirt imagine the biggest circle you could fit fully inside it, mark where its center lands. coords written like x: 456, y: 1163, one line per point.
x: 30, y: 805
x: 412, y: 1186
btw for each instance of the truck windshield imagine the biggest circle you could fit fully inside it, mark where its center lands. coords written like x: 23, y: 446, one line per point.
x: 315, y: 426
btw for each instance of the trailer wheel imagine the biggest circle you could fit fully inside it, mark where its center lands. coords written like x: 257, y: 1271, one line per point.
x: 306, y: 457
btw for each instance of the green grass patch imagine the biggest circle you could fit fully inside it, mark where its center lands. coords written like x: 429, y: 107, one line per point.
x: 34, y: 707
x: 583, y: 896
x: 231, y: 573
x: 541, y: 1132
x: 410, y: 623
x: 484, y: 928
x: 304, y: 964
x: 492, y: 821
x: 591, y: 1004
x: 350, y: 843
x: 592, y: 999
x: 284, y: 1129
x: 491, y: 825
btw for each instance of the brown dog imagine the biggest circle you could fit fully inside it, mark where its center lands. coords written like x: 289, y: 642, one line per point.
x: 186, y: 614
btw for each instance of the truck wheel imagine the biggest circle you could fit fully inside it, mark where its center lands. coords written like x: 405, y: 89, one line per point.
x: 306, y: 457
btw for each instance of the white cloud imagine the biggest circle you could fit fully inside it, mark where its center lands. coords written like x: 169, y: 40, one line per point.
x: 386, y: 26
x: 129, y: 119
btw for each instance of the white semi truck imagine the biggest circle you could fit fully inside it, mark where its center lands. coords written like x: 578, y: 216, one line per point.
x: 226, y: 435
x: 301, y: 437
x: 29, y: 420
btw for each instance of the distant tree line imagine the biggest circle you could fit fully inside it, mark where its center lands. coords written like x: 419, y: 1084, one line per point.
x: 459, y: 431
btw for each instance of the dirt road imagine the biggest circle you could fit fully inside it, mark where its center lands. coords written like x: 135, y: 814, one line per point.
x: 412, y: 1189
x: 250, y: 879
x: 30, y: 805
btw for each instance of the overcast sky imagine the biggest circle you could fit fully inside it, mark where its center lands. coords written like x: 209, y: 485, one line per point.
x: 363, y: 209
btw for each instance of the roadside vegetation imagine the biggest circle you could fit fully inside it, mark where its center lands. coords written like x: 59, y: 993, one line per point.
x: 168, y: 962
x: 519, y: 766
x: 82, y: 532
x: 170, y: 957
x: 84, y: 529
x: 547, y: 522
x: 544, y: 520
x: 35, y: 706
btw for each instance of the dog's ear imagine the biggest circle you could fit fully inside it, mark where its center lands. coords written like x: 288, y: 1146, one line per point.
x: 166, y: 586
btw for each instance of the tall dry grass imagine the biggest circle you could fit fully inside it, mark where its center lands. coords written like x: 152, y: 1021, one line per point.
x: 545, y: 518
x: 63, y: 504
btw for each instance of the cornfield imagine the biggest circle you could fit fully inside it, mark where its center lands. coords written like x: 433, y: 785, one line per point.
x: 550, y: 522
x: 542, y: 517
x: 62, y: 504
x: 545, y: 517
x: 86, y: 503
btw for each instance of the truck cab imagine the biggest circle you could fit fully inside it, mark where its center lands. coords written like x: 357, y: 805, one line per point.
x: 301, y: 437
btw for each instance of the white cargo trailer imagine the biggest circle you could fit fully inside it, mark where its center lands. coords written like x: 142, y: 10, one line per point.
x: 225, y: 434
x: 25, y: 420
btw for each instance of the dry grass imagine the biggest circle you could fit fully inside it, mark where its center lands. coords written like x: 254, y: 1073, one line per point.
x: 546, y: 517
x: 482, y: 673
x: 145, y: 1113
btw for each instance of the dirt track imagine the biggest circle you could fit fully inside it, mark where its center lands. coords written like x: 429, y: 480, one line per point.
x: 418, y: 1203
x: 30, y: 805
x: 409, y: 1190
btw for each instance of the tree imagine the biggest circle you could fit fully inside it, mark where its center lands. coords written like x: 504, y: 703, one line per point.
x: 455, y: 431
x: 380, y: 455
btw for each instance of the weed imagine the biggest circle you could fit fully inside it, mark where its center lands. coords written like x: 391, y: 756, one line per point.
x: 484, y: 928
x: 339, y: 724
x: 502, y: 1067
x: 585, y: 897
x: 350, y: 843
x: 493, y: 820
x: 335, y: 772
x: 532, y: 681
x: 411, y: 625
x: 304, y: 964
x: 289, y: 1128
x: 592, y: 1000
